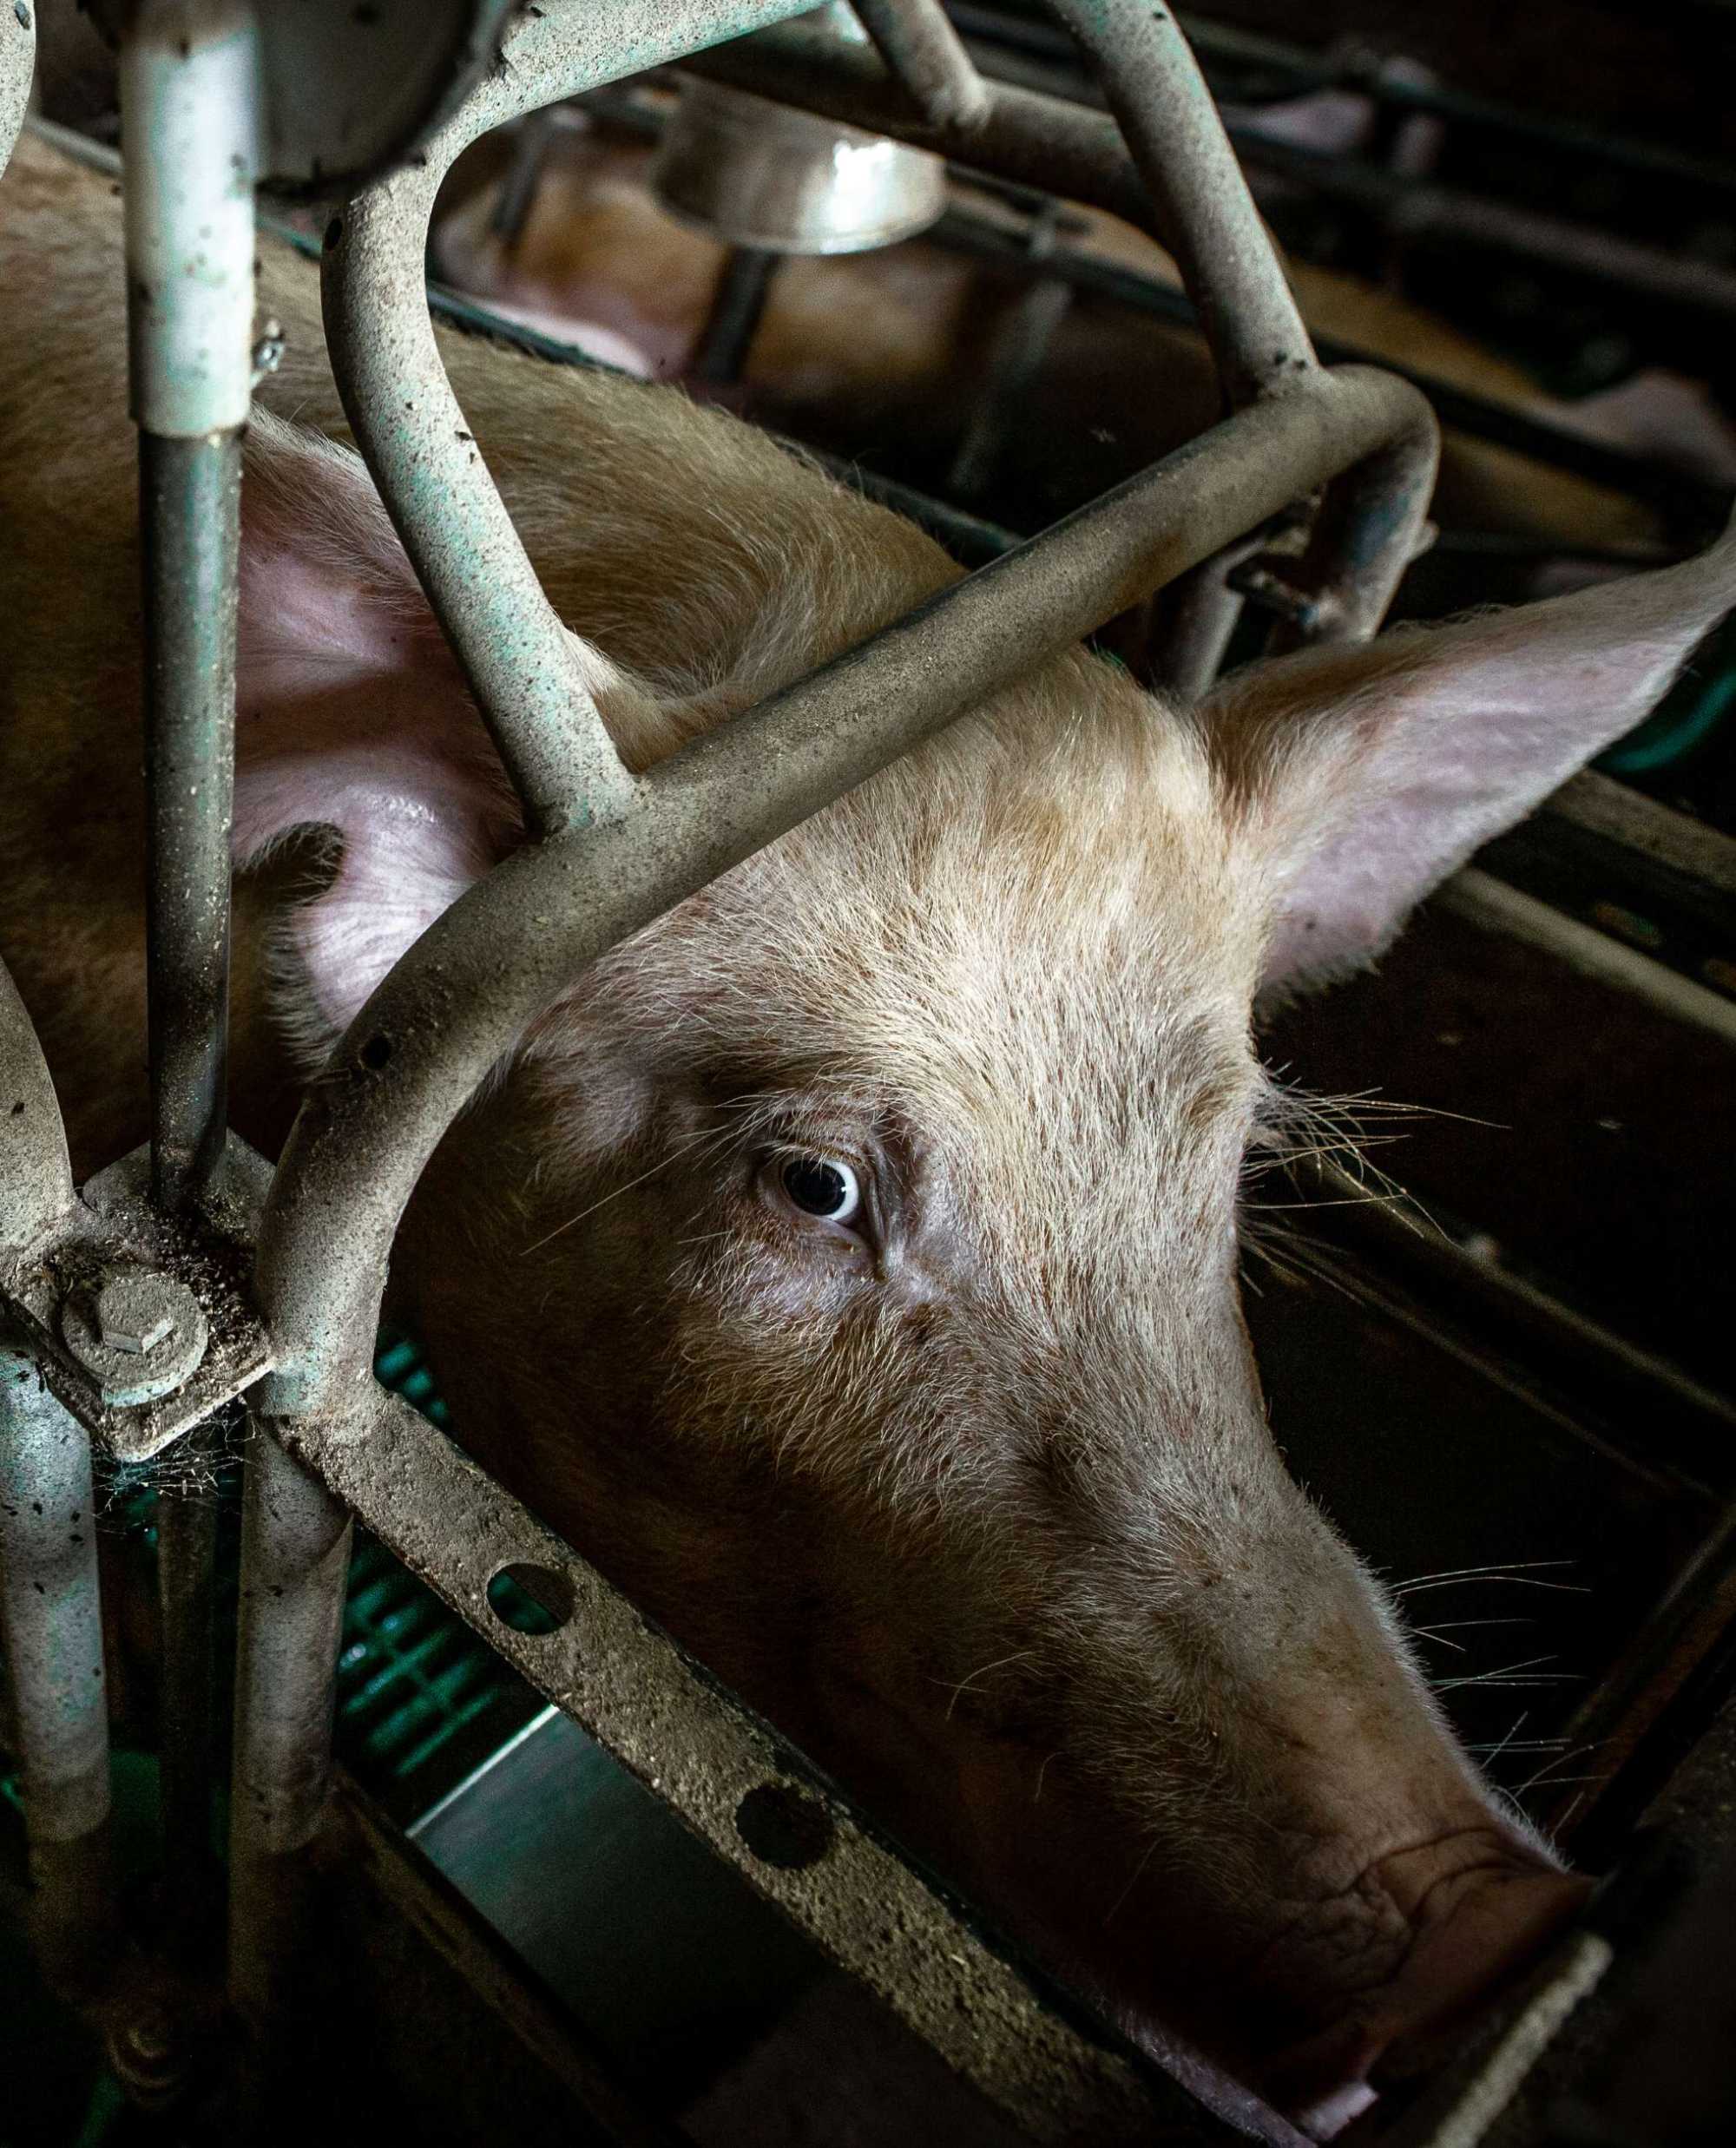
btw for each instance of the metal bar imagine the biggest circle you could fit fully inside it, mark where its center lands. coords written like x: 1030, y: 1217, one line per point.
x: 1195, y: 203
x: 187, y: 1564
x: 1032, y: 140
x: 189, y: 94
x: 323, y: 1248
x: 928, y: 56
x: 1187, y: 189
x: 295, y: 1558
x: 1021, y: 342
x: 51, y: 1633
x: 536, y: 686
x: 17, y: 71
x: 1199, y: 612
x: 1688, y: 1431
x: 1685, y: 498
x: 405, y: 1878
x: 1156, y: 89
x: 713, y: 1763
x: 190, y: 100
x: 735, y: 313
x: 190, y: 519
x: 36, y: 1171
x: 1492, y: 905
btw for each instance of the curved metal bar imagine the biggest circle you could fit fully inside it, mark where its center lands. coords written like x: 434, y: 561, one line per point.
x: 398, y: 1079
x: 1022, y: 135
x: 536, y: 685
x: 928, y: 56
x: 1181, y: 183
x: 1156, y: 91
x: 36, y: 1171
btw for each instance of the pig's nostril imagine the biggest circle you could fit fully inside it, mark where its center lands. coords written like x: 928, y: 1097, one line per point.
x: 376, y: 1052
x: 783, y: 1827
x: 531, y: 1599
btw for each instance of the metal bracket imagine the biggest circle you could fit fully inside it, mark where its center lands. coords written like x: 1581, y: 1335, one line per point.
x: 206, y: 1251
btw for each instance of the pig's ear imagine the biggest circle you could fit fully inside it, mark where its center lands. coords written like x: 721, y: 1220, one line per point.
x: 353, y: 716
x: 1361, y: 777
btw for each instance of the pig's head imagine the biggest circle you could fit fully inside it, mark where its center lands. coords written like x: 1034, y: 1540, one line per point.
x: 849, y: 1267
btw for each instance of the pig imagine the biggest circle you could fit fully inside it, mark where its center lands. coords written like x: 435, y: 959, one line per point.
x: 847, y: 1263
x: 883, y: 354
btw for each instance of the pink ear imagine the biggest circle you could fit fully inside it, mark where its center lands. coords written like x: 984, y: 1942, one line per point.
x: 350, y: 713
x: 1363, y: 776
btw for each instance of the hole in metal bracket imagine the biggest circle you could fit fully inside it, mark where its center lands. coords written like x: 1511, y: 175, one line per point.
x: 530, y: 1599
x: 783, y: 1827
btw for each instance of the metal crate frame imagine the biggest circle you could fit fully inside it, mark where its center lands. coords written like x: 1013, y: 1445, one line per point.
x: 608, y: 853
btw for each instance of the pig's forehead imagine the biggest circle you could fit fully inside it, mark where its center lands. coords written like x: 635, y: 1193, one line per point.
x: 1066, y: 854
x: 1052, y: 941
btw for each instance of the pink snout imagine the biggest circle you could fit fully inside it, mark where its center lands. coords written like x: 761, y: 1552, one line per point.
x: 1477, y: 1928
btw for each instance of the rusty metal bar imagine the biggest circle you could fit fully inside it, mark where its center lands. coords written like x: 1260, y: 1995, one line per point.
x: 634, y: 1690
x: 360, y: 1146
x: 928, y: 56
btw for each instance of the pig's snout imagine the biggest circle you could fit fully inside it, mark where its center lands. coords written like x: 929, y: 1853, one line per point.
x: 1475, y: 1909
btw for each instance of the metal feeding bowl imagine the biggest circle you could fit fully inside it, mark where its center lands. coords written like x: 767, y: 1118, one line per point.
x: 764, y: 175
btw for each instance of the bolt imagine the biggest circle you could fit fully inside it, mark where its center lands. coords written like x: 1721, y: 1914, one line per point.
x: 140, y: 1337
x: 132, y: 1314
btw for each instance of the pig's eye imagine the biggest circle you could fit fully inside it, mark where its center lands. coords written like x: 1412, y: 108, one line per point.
x: 822, y: 1187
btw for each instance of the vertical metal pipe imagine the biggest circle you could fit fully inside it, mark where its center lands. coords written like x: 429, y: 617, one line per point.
x: 189, y: 531
x: 742, y: 290
x: 1191, y: 625
x: 186, y: 1561
x: 1020, y: 344
x: 51, y: 1635
x: 189, y: 103
x: 295, y: 1556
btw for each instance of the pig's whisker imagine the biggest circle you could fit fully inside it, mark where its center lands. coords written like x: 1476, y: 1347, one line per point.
x: 1518, y: 1746
x: 1514, y: 1571
x: 1512, y: 1675
x: 1138, y: 1870
x: 982, y: 1672
x: 1519, y: 1723
x: 1546, y: 1773
x: 1455, y: 1626
x: 662, y: 1164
